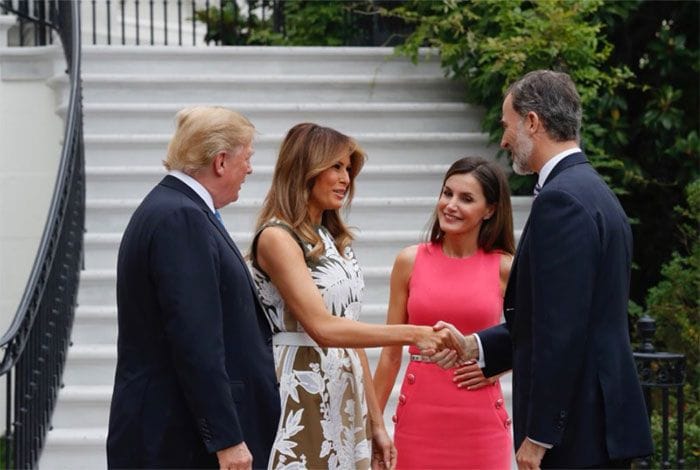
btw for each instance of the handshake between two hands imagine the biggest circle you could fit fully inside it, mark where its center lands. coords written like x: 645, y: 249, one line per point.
x: 446, y: 346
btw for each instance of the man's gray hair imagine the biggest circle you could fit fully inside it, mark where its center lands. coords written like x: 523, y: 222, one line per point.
x: 553, y: 97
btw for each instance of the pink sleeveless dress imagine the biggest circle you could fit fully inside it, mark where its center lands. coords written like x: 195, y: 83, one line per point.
x: 439, y: 426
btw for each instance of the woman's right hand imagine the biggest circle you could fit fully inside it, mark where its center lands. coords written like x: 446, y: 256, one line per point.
x: 470, y: 376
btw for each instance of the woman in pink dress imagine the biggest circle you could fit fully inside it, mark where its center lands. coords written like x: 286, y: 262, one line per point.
x: 453, y: 418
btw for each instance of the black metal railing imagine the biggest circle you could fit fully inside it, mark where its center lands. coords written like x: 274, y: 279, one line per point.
x: 34, y: 347
x: 36, y: 20
x: 662, y: 375
x: 228, y: 22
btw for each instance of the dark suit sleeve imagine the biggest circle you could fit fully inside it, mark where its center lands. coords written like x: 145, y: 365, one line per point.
x: 565, y: 256
x: 498, y: 349
x: 184, y: 258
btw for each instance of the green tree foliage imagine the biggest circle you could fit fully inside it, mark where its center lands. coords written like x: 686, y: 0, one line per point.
x: 675, y: 304
x: 325, y: 23
x: 659, y: 42
x: 491, y: 43
x: 297, y: 22
x: 229, y: 25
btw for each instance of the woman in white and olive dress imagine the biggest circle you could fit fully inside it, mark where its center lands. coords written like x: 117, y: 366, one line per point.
x: 311, y: 286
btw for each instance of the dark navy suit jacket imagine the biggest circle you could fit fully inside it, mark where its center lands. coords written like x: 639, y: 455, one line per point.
x: 566, y: 334
x: 195, y: 372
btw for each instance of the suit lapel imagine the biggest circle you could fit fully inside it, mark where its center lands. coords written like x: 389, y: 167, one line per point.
x: 568, y: 161
x: 508, y: 300
x: 222, y: 230
x: 174, y: 183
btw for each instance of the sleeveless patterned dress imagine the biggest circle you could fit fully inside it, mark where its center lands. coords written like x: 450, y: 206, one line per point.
x: 437, y: 424
x: 324, y: 420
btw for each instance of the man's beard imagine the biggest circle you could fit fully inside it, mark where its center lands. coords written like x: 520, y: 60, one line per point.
x: 522, y: 153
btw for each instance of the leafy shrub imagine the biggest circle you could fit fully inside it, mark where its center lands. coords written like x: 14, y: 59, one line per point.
x: 691, y: 427
x: 489, y: 44
x: 326, y: 23
x: 299, y: 23
x: 675, y: 305
x: 228, y: 25
x: 662, y: 155
x: 675, y: 302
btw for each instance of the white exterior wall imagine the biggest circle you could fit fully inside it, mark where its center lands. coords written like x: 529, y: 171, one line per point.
x: 30, y: 146
x: 30, y: 135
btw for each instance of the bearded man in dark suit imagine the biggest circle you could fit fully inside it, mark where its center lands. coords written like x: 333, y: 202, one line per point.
x: 195, y: 385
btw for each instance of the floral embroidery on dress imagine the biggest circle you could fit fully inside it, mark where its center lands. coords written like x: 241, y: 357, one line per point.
x: 324, y: 421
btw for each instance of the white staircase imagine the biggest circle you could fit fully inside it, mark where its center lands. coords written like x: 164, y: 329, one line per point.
x: 409, y: 119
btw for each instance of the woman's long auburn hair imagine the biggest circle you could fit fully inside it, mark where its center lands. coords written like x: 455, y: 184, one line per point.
x: 496, y: 233
x: 307, y: 150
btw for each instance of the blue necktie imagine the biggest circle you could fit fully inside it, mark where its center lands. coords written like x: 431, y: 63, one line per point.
x: 537, y: 189
x: 218, y: 217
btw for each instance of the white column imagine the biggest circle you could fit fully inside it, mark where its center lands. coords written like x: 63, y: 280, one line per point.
x: 6, y: 22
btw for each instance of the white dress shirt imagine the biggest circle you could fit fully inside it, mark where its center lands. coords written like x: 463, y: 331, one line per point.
x: 549, y: 166
x: 196, y: 186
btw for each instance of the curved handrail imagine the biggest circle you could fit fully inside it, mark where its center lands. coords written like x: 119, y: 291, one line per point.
x: 46, y: 252
x: 36, y: 343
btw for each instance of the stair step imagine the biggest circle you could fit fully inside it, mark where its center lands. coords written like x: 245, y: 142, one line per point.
x: 95, y: 364
x: 373, y: 181
x: 90, y: 364
x: 95, y: 324
x: 89, y: 405
x: 437, y: 148
x: 159, y: 88
x: 98, y: 287
x: 257, y: 60
x: 75, y: 448
x: 98, y: 361
x: 372, y: 248
x: 368, y: 213
x: 381, y: 213
x: 274, y: 118
x: 82, y: 406
x: 98, y: 324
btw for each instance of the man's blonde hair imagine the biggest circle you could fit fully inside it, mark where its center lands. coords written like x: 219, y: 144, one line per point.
x: 202, y: 132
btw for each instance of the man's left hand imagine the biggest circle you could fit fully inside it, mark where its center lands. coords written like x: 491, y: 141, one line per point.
x: 529, y: 456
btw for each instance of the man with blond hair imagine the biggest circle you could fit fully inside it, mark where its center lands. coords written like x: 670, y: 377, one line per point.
x: 195, y: 385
